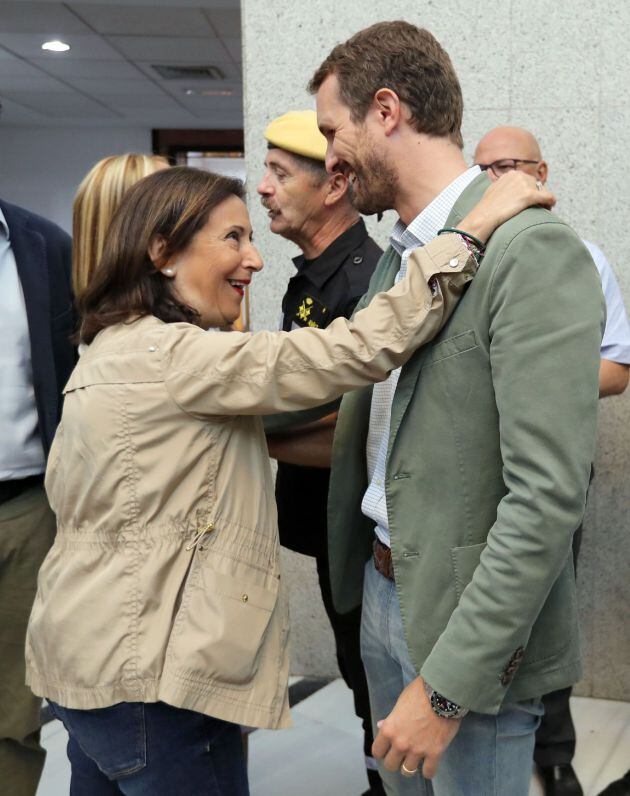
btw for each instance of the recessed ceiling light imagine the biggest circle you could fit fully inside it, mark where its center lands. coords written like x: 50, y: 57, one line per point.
x: 56, y: 46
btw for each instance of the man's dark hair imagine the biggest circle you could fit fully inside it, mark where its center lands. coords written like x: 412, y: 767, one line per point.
x: 409, y: 61
x: 174, y: 204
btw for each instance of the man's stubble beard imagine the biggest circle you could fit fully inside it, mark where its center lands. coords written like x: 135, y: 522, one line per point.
x: 377, y: 185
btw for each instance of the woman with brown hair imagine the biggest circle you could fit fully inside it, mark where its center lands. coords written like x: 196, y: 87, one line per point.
x: 96, y: 200
x: 160, y: 622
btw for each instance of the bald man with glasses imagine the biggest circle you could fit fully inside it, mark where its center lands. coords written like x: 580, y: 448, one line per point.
x: 501, y: 150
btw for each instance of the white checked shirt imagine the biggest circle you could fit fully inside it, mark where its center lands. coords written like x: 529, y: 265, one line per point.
x: 422, y: 229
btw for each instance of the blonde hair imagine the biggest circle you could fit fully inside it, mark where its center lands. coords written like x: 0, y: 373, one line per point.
x: 96, y: 201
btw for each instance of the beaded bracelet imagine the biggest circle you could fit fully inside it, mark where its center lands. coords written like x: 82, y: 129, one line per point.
x: 473, y: 243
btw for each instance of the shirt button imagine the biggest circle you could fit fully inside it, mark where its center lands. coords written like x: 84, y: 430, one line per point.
x: 245, y: 598
x: 152, y: 348
x: 357, y: 260
x: 454, y: 262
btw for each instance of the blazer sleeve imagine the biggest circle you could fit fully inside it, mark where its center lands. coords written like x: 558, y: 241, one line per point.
x: 233, y: 373
x: 546, y: 323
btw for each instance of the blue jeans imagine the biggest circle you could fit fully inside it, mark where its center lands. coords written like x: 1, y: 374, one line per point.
x: 152, y: 749
x: 489, y: 756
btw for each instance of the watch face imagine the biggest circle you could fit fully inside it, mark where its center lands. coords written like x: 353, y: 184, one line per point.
x: 444, y: 707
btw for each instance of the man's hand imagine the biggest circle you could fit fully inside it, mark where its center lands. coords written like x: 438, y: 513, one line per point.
x: 613, y: 378
x: 413, y: 732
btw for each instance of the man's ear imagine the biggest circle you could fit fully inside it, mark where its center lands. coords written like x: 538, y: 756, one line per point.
x: 337, y: 186
x: 388, y: 109
x: 157, y: 246
x: 542, y: 171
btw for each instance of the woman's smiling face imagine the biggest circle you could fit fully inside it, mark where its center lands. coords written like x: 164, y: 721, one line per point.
x: 211, y: 273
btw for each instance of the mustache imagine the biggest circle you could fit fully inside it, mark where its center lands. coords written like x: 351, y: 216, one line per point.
x: 267, y: 205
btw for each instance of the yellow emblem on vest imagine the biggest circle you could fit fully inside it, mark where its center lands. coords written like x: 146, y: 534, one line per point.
x: 304, y: 310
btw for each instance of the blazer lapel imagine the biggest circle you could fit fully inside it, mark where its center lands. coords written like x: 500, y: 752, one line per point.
x: 411, y: 371
x: 29, y: 249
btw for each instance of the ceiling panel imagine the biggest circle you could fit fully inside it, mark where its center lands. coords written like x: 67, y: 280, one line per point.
x: 165, y: 50
x: 10, y: 66
x: 61, y: 105
x: 100, y: 87
x: 20, y: 17
x: 143, y: 21
x: 124, y: 101
x: 29, y: 45
x: 226, y: 23
x: 26, y: 84
x: 234, y: 48
x: 94, y: 70
x: 203, y: 106
x: 17, y: 115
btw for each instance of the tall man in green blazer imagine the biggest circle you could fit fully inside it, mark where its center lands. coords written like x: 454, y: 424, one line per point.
x: 457, y: 484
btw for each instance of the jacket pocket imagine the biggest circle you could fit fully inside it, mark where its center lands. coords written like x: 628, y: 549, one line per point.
x: 226, y: 618
x: 465, y: 561
x: 452, y: 346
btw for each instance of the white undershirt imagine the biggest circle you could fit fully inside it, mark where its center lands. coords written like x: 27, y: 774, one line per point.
x: 422, y: 229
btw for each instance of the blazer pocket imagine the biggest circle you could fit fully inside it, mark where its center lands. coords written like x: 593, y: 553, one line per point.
x: 465, y: 561
x: 453, y: 346
x: 227, y: 617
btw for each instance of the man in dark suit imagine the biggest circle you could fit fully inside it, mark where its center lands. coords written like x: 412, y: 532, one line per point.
x: 37, y: 319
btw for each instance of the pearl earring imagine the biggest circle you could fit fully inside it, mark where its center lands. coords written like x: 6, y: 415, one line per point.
x: 168, y: 271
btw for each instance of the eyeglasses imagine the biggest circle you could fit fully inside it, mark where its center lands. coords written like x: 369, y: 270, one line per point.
x: 499, y: 167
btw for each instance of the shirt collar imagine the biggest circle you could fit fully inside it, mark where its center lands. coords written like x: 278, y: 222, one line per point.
x: 321, y: 268
x: 426, y: 225
x: 3, y: 224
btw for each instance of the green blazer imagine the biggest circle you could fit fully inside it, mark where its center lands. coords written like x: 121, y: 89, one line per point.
x: 492, y: 437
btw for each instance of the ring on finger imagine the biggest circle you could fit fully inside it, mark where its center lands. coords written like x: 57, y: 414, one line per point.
x: 408, y: 772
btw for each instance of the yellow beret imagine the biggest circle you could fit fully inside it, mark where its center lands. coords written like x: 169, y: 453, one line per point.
x: 297, y: 132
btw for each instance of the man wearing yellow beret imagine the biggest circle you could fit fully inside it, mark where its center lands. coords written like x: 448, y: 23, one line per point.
x: 314, y: 210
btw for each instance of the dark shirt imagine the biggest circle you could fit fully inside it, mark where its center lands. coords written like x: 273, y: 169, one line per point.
x: 323, y: 289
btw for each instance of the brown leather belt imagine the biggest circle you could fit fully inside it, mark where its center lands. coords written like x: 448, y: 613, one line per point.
x: 382, y: 556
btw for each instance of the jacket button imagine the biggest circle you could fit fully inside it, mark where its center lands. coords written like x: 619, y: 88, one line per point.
x: 245, y: 598
x: 357, y: 260
x: 152, y: 348
x: 454, y: 262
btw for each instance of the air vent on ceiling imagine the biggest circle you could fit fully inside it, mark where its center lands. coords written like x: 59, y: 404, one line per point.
x: 189, y: 72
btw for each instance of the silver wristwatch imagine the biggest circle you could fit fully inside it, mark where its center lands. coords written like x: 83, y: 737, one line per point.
x: 442, y: 706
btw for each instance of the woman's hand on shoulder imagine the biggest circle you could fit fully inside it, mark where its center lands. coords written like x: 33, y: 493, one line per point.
x: 503, y: 199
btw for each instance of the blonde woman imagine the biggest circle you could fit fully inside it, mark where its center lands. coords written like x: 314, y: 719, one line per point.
x: 96, y: 201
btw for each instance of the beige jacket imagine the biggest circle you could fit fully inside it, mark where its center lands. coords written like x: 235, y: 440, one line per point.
x: 164, y: 580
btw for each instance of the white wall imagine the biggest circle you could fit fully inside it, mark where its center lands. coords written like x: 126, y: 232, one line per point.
x: 40, y: 168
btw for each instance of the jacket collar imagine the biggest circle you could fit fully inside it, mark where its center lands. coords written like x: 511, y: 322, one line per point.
x: 3, y: 225
x: 319, y: 270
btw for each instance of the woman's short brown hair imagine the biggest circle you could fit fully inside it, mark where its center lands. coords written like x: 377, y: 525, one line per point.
x: 174, y: 204
x: 409, y: 61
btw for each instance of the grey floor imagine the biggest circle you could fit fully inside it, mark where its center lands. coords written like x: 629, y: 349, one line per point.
x: 321, y: 754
